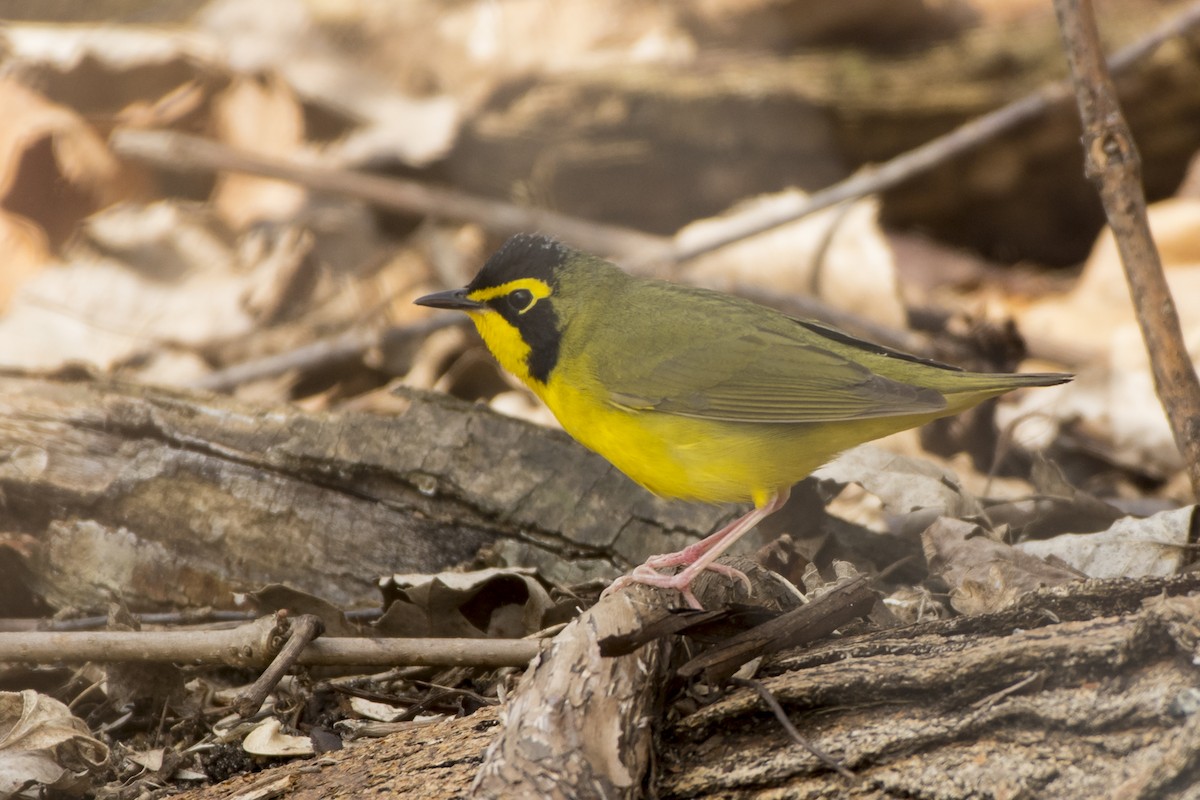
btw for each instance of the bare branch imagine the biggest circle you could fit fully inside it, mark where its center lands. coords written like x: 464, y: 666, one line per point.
x: 321, y: 354
x: 1114, y: 166
x: 181, y: 152
x: 254, y: 645
x: 781, y: 715
x: 302, y: 632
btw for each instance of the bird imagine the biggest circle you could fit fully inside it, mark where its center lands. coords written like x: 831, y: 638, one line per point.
x: 696, y: 394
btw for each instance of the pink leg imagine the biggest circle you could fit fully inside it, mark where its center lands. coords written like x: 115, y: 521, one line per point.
x: 700, y: 556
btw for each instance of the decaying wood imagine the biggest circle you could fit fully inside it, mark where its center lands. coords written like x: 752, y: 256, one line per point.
x: 988, y: 706
x: 838, y: 606
x: 174, y: 498
x: 582, y: 725
x: 1100, y: 703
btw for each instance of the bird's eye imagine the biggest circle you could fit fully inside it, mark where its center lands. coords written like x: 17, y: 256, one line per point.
x: 521, y: 300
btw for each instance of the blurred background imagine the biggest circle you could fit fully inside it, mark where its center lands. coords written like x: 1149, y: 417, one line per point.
x: 244, y: 198
x: 136, y: 256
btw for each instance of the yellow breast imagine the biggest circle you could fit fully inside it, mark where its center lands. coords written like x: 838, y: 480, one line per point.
x: 681, y: 457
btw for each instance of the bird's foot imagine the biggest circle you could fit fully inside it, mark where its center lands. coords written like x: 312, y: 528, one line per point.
x: 648, y: 575
x: 700, y: 556
x: 682, y: 558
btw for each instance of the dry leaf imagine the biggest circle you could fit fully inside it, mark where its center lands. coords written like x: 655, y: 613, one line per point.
x: 54, y: 169
x: 984, y: 575
x: 905, y: 485
x: 258, y: 116
x: 1055, y: 506
x: 268, y: 739
x: 107, y: 50
x: 286, y: 272
x: 149, y: 759
x: 42, y: 744
x: 277, y: 597
x: 159, y: 764
x: 166, y: 277
x: 279, y: 36
x: 503, y: 603
x: 380, y: 712
x: 1131, y: 548
x: 1103, y: 293
x: 1115, y: 394
x: 26, y: 251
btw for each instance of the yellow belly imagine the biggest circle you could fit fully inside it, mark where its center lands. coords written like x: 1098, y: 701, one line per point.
x: 707, y: 460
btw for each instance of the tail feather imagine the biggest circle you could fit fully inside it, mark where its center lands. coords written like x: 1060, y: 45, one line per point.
x: 1019, y: 379
x: 967, y: 389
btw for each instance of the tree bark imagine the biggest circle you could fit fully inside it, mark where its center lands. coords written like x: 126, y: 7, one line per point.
x: 181, y: 499
x: 1100, y: 703
x: 996, y: 705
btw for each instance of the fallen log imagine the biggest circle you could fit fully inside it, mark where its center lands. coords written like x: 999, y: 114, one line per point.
x: 170, y: 498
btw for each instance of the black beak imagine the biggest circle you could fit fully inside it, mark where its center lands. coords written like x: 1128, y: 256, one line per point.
x: 454, y: 299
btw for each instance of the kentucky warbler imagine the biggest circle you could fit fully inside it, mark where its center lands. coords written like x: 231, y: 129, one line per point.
x: 696, y: 394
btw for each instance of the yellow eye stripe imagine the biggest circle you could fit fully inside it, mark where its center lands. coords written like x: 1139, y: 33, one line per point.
x: 535, y: 287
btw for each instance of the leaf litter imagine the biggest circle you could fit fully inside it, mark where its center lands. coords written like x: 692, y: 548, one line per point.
x: 165, y: 277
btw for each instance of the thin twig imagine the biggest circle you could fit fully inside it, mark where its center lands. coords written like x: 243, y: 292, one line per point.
x: 765, y: 695
x: 919, y: 160
x: 251, y: 646
x: 1114, y: 166
x: 181, y: 152
x: 199, y: 616
x: 301, y: 633
x: 321, y: 354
